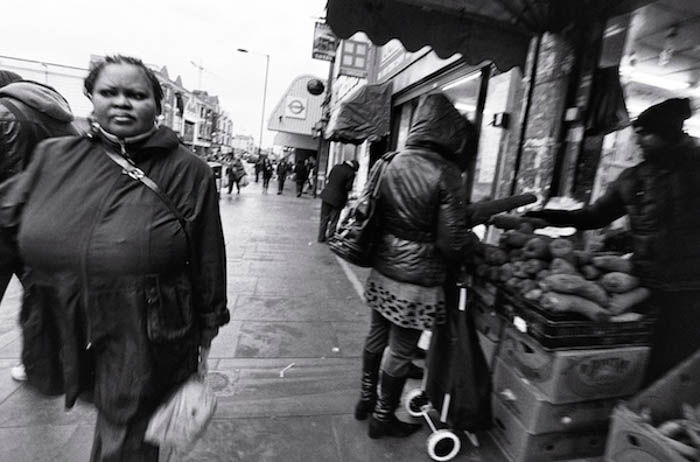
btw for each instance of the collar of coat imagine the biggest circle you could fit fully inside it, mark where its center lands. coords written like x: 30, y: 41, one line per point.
x: 155, y: 141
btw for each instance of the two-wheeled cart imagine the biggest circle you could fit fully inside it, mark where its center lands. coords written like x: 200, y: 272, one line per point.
x: 457, y: 381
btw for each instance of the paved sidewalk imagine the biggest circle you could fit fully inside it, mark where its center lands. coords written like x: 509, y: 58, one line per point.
x: 293, y: 308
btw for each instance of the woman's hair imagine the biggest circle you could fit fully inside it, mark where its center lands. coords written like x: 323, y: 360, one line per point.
x: 89, y: 83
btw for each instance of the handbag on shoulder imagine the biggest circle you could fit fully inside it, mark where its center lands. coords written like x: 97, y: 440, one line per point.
x: 356, y: 235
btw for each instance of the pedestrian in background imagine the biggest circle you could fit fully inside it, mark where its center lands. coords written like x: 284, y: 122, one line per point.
x: 236, y: 172
x: 301, y: 173
x: 132, y: 322
x: 311, y: 177
x: 335, y: 195
x: 267, y: 169
x: 282, y: 170
x: 29, y: 112
x: 424, y: 234
x: 259, y: 167
x: 661, y: 196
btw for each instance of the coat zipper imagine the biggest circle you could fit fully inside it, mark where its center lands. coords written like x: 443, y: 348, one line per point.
x: 86, y: 248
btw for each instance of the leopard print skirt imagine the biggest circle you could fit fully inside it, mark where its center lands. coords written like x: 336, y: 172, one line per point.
x: 404, y: 304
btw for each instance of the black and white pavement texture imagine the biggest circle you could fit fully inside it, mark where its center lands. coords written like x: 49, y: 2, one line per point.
x: 294, y: 307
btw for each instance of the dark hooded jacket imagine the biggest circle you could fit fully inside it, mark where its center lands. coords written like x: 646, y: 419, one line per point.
x: 29, y: 113
x: 422, y: 203
x: 110, y: 262
x: 662, y: 199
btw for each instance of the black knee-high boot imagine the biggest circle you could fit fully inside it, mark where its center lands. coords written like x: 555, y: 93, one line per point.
x: 370, y: 377
x: 384, y: 422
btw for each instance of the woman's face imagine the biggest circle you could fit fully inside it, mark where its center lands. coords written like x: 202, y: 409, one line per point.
x: 123, y: 100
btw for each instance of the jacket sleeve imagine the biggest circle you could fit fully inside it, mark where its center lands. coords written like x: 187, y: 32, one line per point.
x: 12, y: 143
x: 209, y: 258
x: 14, y: 193
x: 453, y: 237
x: 604, y: 211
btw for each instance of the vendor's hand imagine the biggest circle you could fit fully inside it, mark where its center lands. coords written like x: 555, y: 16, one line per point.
x: 539, y: 214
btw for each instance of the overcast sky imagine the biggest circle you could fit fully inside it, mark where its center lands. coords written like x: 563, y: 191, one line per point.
x: 173, y: 33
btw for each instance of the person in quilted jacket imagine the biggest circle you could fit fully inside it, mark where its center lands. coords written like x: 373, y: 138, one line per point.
x: 424, y: 235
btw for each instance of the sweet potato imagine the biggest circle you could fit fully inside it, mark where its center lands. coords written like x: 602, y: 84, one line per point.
x: 513, y: 283
x: 516, y: 255
x: 534, y: 266
x: 612, y: 263
x: 481, y: 270
x: 516, y: 239
x: 537, y: 247
x: 619, y: 283
x: 495, y: 256
x: 542, y: 274
x: 526, y: 227
x: 620, y: 303
x: 533, y: 294
x: 519, y: 270
x: 492, y: 273
x: 576, y: 285
x: 583, y: 257
x: 562, y: 248
x: 526, y: 285
x: 505, y: 272
x: 627, y: 317
x: 505, y: 221
x: 564, y: 303
x: 590, y: 272
x: 561, y: 266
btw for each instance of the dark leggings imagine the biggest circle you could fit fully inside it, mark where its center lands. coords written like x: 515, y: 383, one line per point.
x: 402, y: 343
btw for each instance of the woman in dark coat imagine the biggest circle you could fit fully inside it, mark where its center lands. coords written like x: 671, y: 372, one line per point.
x: 110, y: 261
x: 424, y: 233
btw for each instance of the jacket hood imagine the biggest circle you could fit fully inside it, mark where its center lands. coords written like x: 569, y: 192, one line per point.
x: 438, y: 126
x: 41, y: 97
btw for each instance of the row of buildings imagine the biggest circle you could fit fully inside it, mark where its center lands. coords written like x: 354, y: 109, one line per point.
x: 551, y: 95
x: 195, y: 115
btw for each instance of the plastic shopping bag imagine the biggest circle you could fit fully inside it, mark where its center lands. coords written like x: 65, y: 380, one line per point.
x: 243, y: 181
x: 181, y: 420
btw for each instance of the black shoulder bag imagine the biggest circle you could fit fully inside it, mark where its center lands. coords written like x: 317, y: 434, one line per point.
x: 356, y: 236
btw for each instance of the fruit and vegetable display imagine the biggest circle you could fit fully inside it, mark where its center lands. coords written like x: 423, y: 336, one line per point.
x: 559, y: 278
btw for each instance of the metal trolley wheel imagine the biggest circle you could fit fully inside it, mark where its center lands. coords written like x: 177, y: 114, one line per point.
x: 443, y: 445
x: 415, y: 402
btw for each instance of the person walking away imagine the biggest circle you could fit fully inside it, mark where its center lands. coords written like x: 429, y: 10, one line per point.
x: 282, y: 170
x: 335, y: 195
x: 133, y: 323
x: 311, y: 176
x: 267, y: 170
x: 301, y: 173
x: 661, y: 197
x: 236, y: 172
x: 29, y: 112
x: 424, y: 234
x: 258, y: 167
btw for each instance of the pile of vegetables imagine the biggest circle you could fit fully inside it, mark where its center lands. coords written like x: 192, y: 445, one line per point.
x: 560, y: 278
x: 682, y: 435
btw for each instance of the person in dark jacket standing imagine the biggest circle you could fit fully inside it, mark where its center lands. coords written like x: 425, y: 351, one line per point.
x: 29, y: 112
x: 301, y: 173
x: 236, y: 172
x: 335, y: 195
x: 138, y: 294
x: 661, y: 197
x: 267, y: 170
x: 424, y: 233
x: 282, y: 170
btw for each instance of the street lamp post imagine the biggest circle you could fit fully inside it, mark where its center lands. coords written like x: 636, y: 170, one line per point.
x: 264, y: 96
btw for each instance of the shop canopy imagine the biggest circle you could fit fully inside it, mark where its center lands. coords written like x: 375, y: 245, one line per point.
x: 494, y: 30
x: 363, y: 115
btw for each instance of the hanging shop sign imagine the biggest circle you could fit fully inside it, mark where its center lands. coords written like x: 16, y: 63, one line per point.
x: 325, y: 42
x: 353, y: 58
